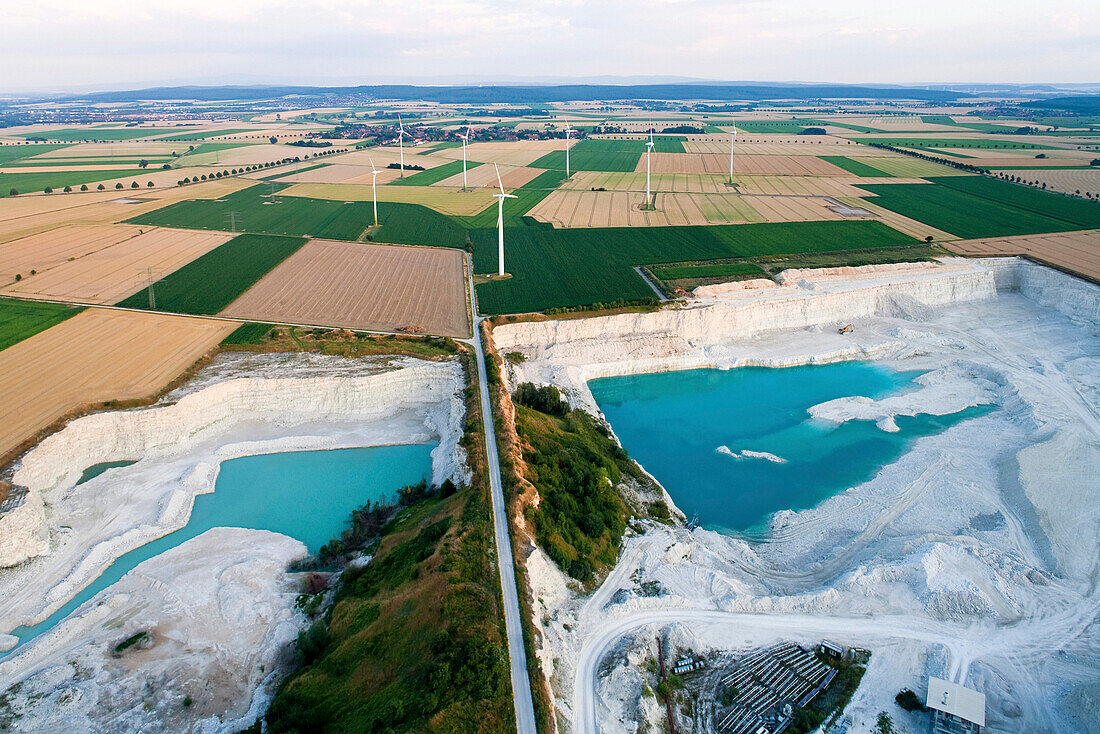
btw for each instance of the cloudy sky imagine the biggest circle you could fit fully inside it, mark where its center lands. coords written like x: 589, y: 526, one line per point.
x: 64, y: 44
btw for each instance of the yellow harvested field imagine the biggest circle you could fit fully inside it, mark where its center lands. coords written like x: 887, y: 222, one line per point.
x: 93, y: 357
x: 447, y: 201
x: 505, y: 153
x: 901, y: 223
x: 755, y: 165
x: 341, y: 173
x: 363, y: 286
x: 1068, y: 181
x: 247, y: 155
x: 25, y: 215
x: 634, y: 181
x: 385, y: 155
x: 702, y: 183
x: 1078, y: 252
x: 484, y: 175
x: 113, y: 148
x: 107, y: 270
x: 755, y: 146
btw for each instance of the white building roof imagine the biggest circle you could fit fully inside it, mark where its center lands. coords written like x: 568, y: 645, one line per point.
x: 954, y: 699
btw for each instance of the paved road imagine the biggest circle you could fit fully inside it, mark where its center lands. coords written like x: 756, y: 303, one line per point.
x: 521, y: 681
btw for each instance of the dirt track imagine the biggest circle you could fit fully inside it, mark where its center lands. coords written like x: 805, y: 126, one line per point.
x: 93, y: 357
x: 367, y: 287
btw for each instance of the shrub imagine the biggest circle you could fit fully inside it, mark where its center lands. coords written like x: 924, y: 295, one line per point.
x: 909, y: 701
x: 118, y: 185
x: 48, y: 190
x: 68, y: 189
x: 13, y: 192
x: 83, y: 187
x: 101, y: 187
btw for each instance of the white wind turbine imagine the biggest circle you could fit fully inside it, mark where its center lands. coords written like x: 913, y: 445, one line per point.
x: 568, y: 132
x: 648, y: 152
x: 733, y: 135
x: 374, y: 187
x: 500, y: 221
x: 400, y: 142
x: 465, y: 139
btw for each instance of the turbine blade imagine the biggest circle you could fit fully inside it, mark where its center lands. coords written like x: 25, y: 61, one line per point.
x: 501, y: 185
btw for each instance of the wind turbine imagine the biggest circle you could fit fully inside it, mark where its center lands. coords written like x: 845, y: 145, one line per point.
x: 648, y: 152
x: 400, y: 138
x: 465, y: 139
x: 500, y: 221
x: 374, y: 187
x: 733, y: 134
x: 568, y: 131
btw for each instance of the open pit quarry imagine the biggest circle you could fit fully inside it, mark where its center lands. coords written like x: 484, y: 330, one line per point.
x: 972, y: 557
x: 219, y: 609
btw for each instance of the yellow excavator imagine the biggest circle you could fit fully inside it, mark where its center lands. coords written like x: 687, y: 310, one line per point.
x: 845, y: 329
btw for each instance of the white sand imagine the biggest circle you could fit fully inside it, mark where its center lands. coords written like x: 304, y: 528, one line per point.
x: 972, y: 557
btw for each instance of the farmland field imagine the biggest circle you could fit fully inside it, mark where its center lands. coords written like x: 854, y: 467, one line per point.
x: 957, y: 143
x: 576, y: 267
x: 422, y: 289
x: 859, y: 168
x: 1069, y: 181
x: 758, y: 165
x: 210, y: 283
x: 1083, y: 214
x: 37, y: 181
x: 594, y: 155
x: 978, y: 213
x: 22, y: 319
x: 9, y: 153
x: 434, y: 175
x: 200, y: 135
x: 108, y: 273
x: 91, y: 133
x: 718, y: 270
x: 1078, y: 252
x: 96, y: 356
x: 446, y: 201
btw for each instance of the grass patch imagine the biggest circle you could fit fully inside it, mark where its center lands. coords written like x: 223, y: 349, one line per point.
x: 554, y: 268
x: 859, y: 168
x: 969, y: 206
x: 716, y: 270
x: 595, y: 155
x: 9, y: 153
x: 58, y: 180
x: 210, y: 283
x: 88, y: 133
x: 22, y: 319
x: 433, y: 175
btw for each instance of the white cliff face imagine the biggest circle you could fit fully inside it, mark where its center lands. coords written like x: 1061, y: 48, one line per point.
x: 971, y: 554
x: 179, y: 447
x: 218, y: 613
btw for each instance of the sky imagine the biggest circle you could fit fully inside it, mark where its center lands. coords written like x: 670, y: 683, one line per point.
x: 99, y: 44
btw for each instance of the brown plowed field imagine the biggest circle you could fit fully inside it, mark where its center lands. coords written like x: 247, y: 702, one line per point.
x: 756, y: 146
x: 98, y: 263
x: 341, y: 173
x: 93, y: 357
x: 702, y: 183
x: 753, y: 165
x: 509, y: 153
x: 1078, y: 252
x: 366, y: 287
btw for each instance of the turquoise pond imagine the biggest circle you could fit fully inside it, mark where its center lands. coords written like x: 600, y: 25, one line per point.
x: 308, y: 495
x: 675, y: 423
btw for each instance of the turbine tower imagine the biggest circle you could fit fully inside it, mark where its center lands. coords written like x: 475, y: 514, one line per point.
x: 374, y: 187
x: 568, y: 131
x: 733, y: 134
x: 500, y: 221
x: 465, y: 139
x: 400, y: 144
x: 648, y: 152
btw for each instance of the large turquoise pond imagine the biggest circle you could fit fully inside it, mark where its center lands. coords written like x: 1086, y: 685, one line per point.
x: 690, y: 430
x: 308, y: 495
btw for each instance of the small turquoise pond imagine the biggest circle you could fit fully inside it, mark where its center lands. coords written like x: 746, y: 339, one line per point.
x: 690, y: 430
x: 308, y: 495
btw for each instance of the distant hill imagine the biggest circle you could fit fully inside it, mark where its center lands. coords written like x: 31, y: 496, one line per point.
x: 1088, y: 105
x: 534, y: 94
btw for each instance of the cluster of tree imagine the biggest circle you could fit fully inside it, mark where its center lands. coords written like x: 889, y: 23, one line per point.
x: 311, y: 143
x: 813, y: 131
x: 684, y: 130
x: 408, y: 167
x: 543, y: 398
x: 509, y: 112
x: 927, y: 157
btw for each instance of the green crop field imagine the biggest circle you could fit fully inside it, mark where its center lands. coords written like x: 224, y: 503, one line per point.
x: 27, y: 182
x: 22, y: 319
x: 9, y: 153
x: 554, y: 268
x: 596, y: 155
x: 87, y: 133
x: 716, y: 270
x: 433, y: 175
x: 251, y: 333
x: 256, y: 211
x: 154, y: 161
x: 968, y: 206
x: 851, y: 165
x: 204, y: 134
x: 207, y: 285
